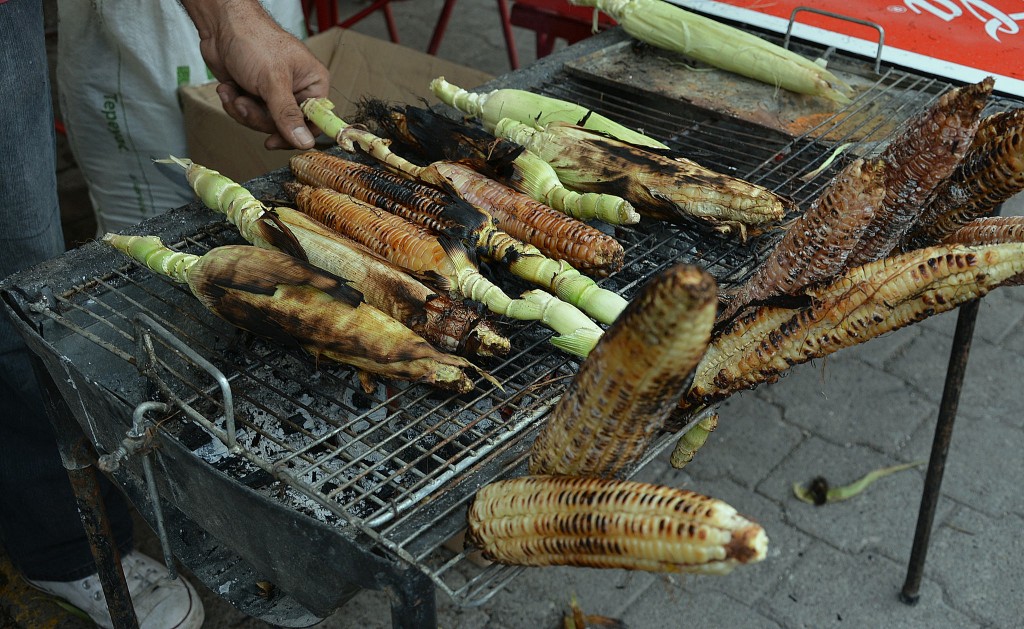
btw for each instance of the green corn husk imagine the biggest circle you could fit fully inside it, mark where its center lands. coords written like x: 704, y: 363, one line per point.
x: 675, y: 29
x: 531, y: 108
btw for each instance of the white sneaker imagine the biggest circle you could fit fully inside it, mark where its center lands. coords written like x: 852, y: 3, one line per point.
x: 160, y: 603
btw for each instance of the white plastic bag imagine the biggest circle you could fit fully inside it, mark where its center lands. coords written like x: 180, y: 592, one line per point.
x: 119, y: 66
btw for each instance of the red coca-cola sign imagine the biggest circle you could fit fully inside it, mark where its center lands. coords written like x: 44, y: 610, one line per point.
x: 957, y: 39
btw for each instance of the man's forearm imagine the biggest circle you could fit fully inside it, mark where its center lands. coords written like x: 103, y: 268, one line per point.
x: 209, y: 15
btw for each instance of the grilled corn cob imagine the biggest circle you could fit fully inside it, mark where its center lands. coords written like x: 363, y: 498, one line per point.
x: 454, y: 216
x: 990, y: 230
x: 524, y: 260
x: 672, y: 28
x: 660, y: 184
x: 600, y: 523
x: 863, y: 303
x: 623, y: 392
x: 277, y: 296
x: 417, y: 250
x: 924, y: 154
x: 692, y: 440
x: 990, y: 173
x: 815, y: 246
x: 446, y: 323
x: 531, y: 108
x: 436, y: 137
x: 553, y: 233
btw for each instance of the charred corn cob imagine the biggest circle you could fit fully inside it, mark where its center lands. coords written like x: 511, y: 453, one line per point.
x: 815, y: 246
x: 417, y: 250
x: 660, y: 184
x: 455, y: 216
x: 672, y: 28
x: 555, y: 234
x: 623, y: 392
x: 524, y: 260
x: 436, y: 137
x: 446, y: 323
x: 990, y: 173
x: 601, y: 523
x: 531, y: 108
x: 277, y: 296
x: 991, y: 230
x: 692, y: 440
x: 924, y: 154
x: 862, y: 304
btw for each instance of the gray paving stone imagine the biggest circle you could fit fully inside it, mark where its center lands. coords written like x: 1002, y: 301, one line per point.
x: 785, y: 543
x: 538, y: 596
x: 829, y: 588
x: 849, y: 402
x: 991, y: 386
x: 883, y: 517
x: 972, y: 544
x: 694, y: 611
x: 984, y: 466
x: 750, y: 440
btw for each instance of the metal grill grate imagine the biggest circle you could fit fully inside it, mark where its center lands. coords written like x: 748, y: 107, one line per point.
x: 399, y: 463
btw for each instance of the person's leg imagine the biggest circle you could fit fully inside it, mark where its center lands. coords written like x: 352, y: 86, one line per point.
x: 39, y: 523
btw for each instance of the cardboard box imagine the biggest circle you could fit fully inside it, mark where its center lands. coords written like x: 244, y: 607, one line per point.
x: 360, y: 66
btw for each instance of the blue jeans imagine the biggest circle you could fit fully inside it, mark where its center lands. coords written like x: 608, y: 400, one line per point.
x: 39, y: 524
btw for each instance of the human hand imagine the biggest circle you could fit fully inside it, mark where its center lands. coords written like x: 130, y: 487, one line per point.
x: 264, y: 72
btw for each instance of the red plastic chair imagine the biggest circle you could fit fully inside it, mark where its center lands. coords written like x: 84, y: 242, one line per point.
x: 556, y: 19
x: 327, y: 15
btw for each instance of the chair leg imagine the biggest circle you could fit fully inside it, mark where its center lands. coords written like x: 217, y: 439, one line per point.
x: 389, y: 19
x: 440, y: 27
x: 506, y: 29
x: 545, y: 44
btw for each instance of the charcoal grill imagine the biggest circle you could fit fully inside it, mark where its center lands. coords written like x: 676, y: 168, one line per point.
x: 259, y: 465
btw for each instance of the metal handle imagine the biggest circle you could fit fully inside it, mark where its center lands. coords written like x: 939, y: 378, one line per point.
x: 144, y: 327
x: 846, y: 18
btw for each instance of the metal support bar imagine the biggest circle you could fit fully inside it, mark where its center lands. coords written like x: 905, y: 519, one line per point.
x: 74, y: 455
x: 940, y: 447
x: 413, y: 604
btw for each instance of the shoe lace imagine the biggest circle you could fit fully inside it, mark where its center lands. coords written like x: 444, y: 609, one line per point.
x: 140, y: 574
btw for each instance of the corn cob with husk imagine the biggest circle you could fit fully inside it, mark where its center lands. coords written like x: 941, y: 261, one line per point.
x: 991, y: 172
x: 278, y: 296
x: 815, y: 246
x: 446, y: 323
x: 420, y: 251
x: 435, y: 137
x: 622, y: 393
x: 923, y: 155
x: 693, y: 440
x: 555, y: 234
x: 524, y: 260
x: 604, y: 523
x: 863, y: 303
x: 660, y: 184
x: 530, y: 108
x: 455, y: 217
x: 675, y: 29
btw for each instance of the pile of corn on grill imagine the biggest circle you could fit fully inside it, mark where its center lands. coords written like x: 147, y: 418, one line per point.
x: 400, y: 461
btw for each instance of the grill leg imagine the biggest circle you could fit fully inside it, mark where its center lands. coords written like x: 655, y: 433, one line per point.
x: 74, y: 455
x: 966, y: 318
x: 413, y: 605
